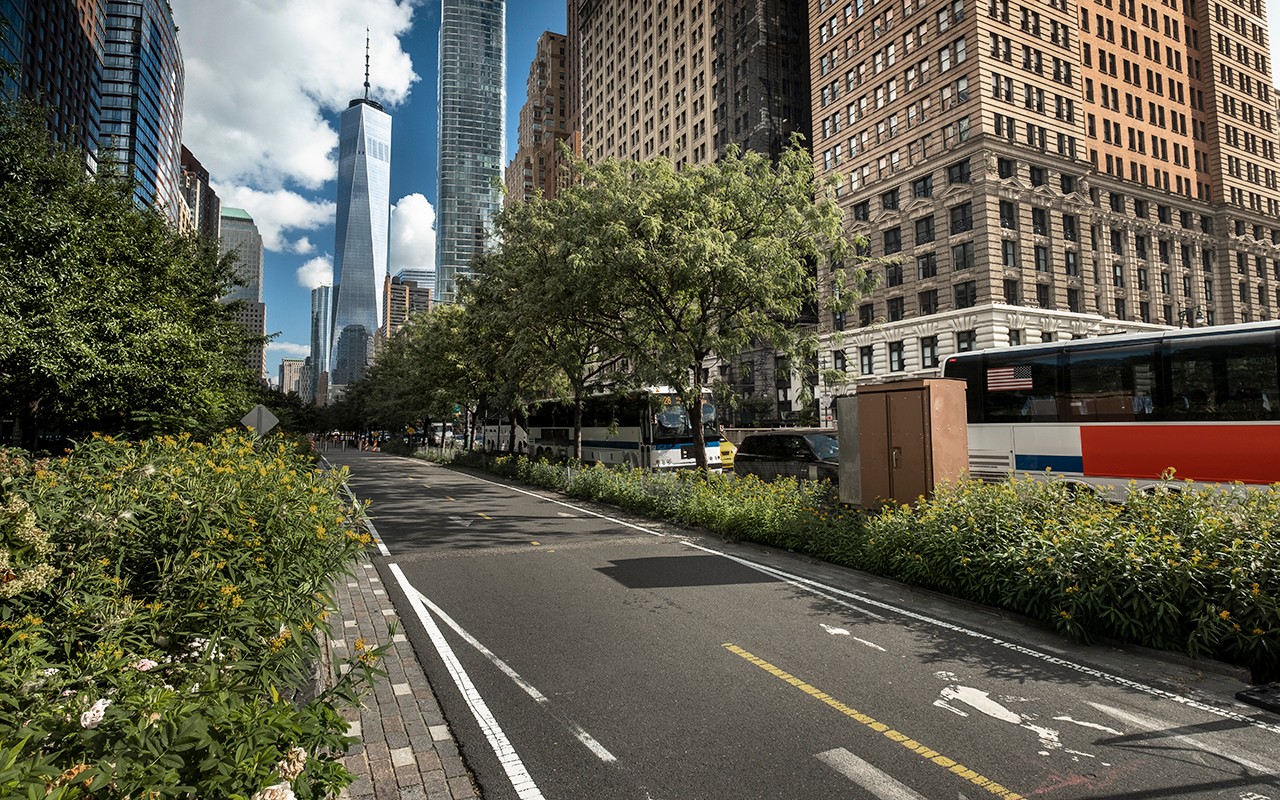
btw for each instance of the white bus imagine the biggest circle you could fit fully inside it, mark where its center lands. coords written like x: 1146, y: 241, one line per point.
x: 1204, y: 402
x: 647, y: 429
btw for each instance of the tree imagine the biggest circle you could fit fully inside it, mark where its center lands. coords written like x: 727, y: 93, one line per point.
x: 705, y: 260
x: 107, y: 316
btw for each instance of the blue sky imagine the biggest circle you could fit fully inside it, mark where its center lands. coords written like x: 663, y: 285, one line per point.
x: 264, y: 85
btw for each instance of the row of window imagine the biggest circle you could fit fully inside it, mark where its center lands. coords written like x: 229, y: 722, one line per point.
x: 927, y: 351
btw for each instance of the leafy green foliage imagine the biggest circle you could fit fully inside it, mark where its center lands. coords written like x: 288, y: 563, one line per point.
x: 169, y: 652
x: 107, y: 316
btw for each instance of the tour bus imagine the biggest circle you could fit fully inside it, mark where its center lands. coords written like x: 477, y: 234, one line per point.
x: 1202, y: 402
x: 497, y: 435
x: 647, y: 429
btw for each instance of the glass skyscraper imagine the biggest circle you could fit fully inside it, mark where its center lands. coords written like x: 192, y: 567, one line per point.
x: 360, y: 252
x: 472, y: 134
x: 142, y: 96
x: 321, y: 336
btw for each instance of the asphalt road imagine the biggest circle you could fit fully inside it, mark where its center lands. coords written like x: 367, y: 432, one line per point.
x: 580, y: 654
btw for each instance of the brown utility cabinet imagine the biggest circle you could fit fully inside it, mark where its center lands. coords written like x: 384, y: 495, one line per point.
x: 899, y: 440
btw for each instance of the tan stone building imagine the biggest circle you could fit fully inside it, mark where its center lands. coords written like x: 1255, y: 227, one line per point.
x: 400, y: 298
x: 1045, y: 170
x: 544, y: 123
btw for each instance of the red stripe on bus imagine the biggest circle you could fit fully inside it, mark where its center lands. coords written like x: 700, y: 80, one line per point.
x: 1213, y: 453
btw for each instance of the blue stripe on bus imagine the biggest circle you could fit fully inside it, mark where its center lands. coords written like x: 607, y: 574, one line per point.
x: 1031, y: 462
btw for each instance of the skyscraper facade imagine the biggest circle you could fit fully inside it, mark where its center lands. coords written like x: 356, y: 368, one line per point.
x: 684, y: 80
x: 58, y: 46
x: 1046, y: 172
x: 202, y: 202
x: 142, y: 100
x: 360, y: 260
x: 240, y: 237
x: 544, y: 123
x: 321, y: 339
x: 471, y: 142
x: 400, y: 298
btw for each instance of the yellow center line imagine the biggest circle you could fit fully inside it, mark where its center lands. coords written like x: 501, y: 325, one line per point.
x: 447, y: 497
x: 889, y: 733
x: 486, y: 516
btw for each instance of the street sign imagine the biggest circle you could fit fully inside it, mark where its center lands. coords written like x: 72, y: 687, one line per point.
x: 260, y: 420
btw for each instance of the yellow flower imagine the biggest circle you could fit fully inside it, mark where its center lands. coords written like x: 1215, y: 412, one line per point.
x: 1258, y: 631
x: 1224, y: 614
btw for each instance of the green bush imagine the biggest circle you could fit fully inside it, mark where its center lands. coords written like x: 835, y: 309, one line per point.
x: 160, y: 615
x: 1180, y: 568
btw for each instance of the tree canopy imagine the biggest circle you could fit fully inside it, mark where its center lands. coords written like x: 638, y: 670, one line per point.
x: 108, y: 317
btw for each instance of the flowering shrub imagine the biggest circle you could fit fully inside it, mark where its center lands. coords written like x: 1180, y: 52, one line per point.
x: 160, y: 621
x: 1181, y: 568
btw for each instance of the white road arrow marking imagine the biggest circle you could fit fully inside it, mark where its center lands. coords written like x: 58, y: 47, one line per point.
x: 466, y: 523
x: 834, y: 631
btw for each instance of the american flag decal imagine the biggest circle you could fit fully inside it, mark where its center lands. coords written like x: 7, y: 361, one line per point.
x: 1008, y: 379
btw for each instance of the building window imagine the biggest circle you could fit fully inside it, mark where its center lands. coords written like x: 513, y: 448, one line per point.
x: 1073, y: 300
x: 1143, y: 279
x: 892, y: 241
x: 867, y: 360
x: 966, y: 294
x: 893, y: 275
x: 838, y: 360
x: 896, y: 309
x: 924, y: 230
x: 1122, y: 310
x: 1043, y: 295
x: 928, y: 301
x: 1042, y: 258
x: 962, y: 256
x: 862, y: 211
x: 926, y: 265
x: 1008, y: 215
x: 922, y: 187
x: 837, y: 320
x: 1039, y: 176
x: 958, y: 172
x: 1073, y: 263
x: 1006, y: 167
x: 1009, y: 253
x: 929, y: 352
x: 1015, y: 337
x: 866, y: 315
x: 1070, y: 227
x: 889, y: 200
x: 1040, y: 222
x: 1012, y: 294
x: 897, y: 357
x: 966, y: 341
x: 961, y: 218
x: 1068, y: 183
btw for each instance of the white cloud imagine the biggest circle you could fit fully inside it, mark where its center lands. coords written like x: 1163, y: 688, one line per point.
x: 316, y: 273
x: 288, y: 350
x: 278, y: 212
x: 413, y: 234
x: 259, y: 77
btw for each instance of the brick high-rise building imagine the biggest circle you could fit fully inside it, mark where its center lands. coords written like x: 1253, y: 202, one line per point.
x: 544, y: 123
x: 1049, y: 170
x: 400, y: 298
x: 683, y: 79
x: 201, y: 200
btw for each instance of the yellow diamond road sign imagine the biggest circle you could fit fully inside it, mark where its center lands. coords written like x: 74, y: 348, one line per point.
x: 260, y: 420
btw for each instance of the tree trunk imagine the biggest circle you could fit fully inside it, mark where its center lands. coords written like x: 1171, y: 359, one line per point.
x: 577, y: 426
x: 29, y: 438
x: 511, y: 436
x: 693, y: 405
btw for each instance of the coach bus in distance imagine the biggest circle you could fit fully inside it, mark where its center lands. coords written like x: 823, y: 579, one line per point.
x: 1204, y: 402
x: 647, y: 429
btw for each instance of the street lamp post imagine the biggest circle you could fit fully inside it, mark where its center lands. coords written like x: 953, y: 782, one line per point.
x: 1193, y: 316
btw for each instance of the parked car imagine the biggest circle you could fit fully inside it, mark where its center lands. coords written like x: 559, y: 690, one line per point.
x: 809, y: 454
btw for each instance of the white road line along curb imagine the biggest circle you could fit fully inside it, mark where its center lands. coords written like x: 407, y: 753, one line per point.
x: 521, y: 781
x: 579, y: 509
x: 382, y: 548
x: 587, y: 739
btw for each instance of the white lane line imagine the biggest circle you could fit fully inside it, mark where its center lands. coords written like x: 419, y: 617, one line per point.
x: 506, y: 669
x: 1156, y: 725
x: 825, y: 591
x: 368, y: 523
x: 872, y: 645
x: 587, y: 739
x: 579, y: 509
x: 520, y: 779
x: 869, y: 777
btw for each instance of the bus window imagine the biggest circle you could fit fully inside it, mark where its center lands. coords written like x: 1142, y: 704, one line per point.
x: 1021, y: 387
x: 968, y: 368
x: 1234, y: 379
x: 1110, y: 384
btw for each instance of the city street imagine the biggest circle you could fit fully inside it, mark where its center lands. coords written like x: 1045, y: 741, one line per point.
x: 580, y: 653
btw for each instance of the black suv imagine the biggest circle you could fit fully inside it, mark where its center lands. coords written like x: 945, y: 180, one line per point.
x: 804, y: 454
